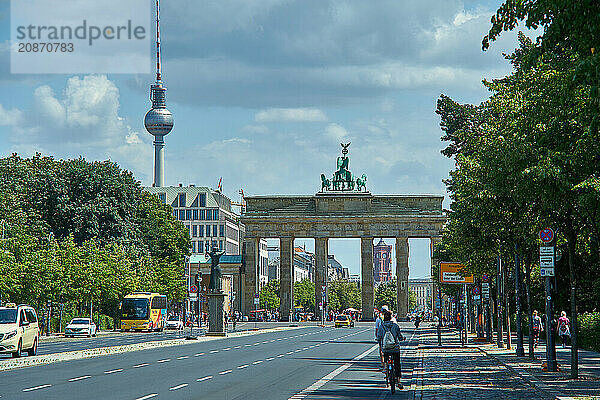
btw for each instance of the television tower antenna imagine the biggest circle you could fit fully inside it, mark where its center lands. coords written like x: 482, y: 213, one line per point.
x: 158, y: 120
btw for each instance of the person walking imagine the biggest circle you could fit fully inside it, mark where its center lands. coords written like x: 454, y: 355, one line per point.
x: 537, y: 328
x: 563, y: 328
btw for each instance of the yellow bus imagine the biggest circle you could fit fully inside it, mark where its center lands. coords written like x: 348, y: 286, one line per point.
x: 143, y: 311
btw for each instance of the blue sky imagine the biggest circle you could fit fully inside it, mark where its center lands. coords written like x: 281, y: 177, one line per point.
x: 263, y: 92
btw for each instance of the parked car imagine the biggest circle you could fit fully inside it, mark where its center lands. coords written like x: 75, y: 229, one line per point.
x: 343, y: 320
x: 81, y: 326
x: 174, y: 322
x: 19, y: 330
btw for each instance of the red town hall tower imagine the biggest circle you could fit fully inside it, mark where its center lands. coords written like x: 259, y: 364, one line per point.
x: 382, y: 262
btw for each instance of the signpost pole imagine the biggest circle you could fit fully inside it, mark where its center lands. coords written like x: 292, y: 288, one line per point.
x: 550, y: 347
x: 499, y: 333
x: 520, y: 350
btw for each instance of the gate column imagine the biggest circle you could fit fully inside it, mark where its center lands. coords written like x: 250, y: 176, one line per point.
x: 250, y: 274
x: 366, y: 269
x: 321, y: 251
x: 286, y: 283
x: 402, y: 277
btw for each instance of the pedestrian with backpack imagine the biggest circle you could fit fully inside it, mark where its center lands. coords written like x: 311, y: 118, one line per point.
x: 389, y: 336
x: 563, y: 328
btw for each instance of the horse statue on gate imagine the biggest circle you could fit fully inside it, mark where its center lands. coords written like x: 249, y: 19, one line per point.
x: 325, y: 183
x: 361, y: 183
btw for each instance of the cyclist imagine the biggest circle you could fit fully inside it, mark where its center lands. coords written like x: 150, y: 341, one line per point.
x: 387, y: 325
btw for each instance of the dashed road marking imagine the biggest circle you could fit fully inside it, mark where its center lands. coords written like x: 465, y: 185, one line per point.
x: 198, y: 354
x: 270, y: 358
x: 112, y: 371
x: 178, y: 386
x: 289, y: 352
x: 237, y: 347
x: 227, y: 348
x: 243, y: 366
x: 257, y: 362
x: 204, y: 379
x: 225, y: 372
x: 140, y: 365
x: 164, y: 361
x: 214, y: 351
x: 183, y: 357
x: 148, y: 396
x: 79, y: 378
x: 36, y: 388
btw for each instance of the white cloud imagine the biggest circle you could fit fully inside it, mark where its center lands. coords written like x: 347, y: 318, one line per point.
x: 291, y: 115
x: 336, y: 132
x: 84, y: 120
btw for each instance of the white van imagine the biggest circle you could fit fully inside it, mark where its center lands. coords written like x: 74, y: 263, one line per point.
x: 19, y: 330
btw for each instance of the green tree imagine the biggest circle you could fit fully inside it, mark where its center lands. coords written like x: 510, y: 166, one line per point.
x: 269, y: 295
x: 304, y: 295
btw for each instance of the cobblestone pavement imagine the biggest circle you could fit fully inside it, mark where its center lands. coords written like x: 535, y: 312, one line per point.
x: 456, y: 372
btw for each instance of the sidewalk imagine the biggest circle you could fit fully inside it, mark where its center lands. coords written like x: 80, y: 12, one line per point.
x: 456, y: 372
x: 552, y: 384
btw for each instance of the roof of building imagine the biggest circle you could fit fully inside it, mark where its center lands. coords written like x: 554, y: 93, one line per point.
x: 225, y: 259
x: 333, y: 262
x: 213, y: 198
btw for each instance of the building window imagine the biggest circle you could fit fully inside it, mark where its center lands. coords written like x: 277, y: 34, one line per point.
x: 195, y: 215
x: 214, y: 243
x: 202, y: 199
x: 220, y: 245
x: 214, y: 232
x: 162, y: 197
x: 215, y: 215
x: 207, y: 230
x: 181, y: 199
x: 200, y: 248
x: 209, y: 215
x: 202, y: 215
x: 194, y: 230
x: 181, y: 215
x: 193, y: 247
x: 200, y: 230
x: 188, y: 215
x: 175, y: 213
x: 222, y: 230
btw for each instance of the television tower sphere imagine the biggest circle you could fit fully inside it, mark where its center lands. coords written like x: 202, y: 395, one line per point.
x: 158, y: 120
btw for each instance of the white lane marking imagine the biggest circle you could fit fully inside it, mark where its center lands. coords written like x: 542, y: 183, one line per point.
x: 281, y: 355
x: 204, y: 379
x: 225, y: 372
x: 183, y: 357
x: 140, y: 365
x: 289, y: 352
x: 36, y: 388
x: 243, y: 366
x: 227, y: 348
x: 237, y: 347
x: 178, y: 386
x: 318, y: 384
x: 279, y: 339
x: 148, y: 396
x: 198, y: 354
x: 214, y: 351
x: 257, y: 362
x: 305, y: 348
x: 247, y: 345
x: 112, y: 371
x: 266, y: 341
x: 256, y: 344
x: 79, y: 378
x: 163, y: 361
x: 295, y: 351
x: 270, y: 358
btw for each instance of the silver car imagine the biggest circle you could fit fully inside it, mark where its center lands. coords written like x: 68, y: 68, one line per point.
x: 80, y: 326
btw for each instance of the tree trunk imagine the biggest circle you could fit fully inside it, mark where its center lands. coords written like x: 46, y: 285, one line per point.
x: 520, y: 350
x: 528, y: 294
x: 506, y: 309
x: 572, y: 242
x: 498, y: 307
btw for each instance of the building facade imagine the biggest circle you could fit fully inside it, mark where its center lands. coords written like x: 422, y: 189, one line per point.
x: 382, y: 262
x: 423, y: 289
x: 207, y: 215
x: 335, y: 270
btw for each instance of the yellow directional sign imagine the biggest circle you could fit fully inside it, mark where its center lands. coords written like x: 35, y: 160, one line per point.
x: 449, y: 273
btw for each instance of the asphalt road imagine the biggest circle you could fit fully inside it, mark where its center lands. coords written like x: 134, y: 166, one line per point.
x: 62, y: 344
x: 306, y: 363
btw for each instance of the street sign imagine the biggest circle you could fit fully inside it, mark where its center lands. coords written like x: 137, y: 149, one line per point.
x: 546, y: 272
x: 193, y: 296
x: 546, y: 261
x: 485, y: 290
x: 193, y: 289
x: 449, y: 273
x: 485, y: 278
x: 476, y: 291
x: 476, y: 297
x: 547, y: 235
x: 256, y: 301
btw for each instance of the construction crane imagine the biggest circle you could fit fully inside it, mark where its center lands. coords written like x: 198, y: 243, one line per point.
x: 242, y: 203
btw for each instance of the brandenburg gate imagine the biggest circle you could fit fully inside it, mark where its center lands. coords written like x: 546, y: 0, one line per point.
x: 342, y: 209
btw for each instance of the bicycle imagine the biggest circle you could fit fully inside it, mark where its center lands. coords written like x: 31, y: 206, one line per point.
x: 390, y: 372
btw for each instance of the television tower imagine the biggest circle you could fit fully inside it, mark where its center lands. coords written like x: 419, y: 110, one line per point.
x: 158, y: 120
